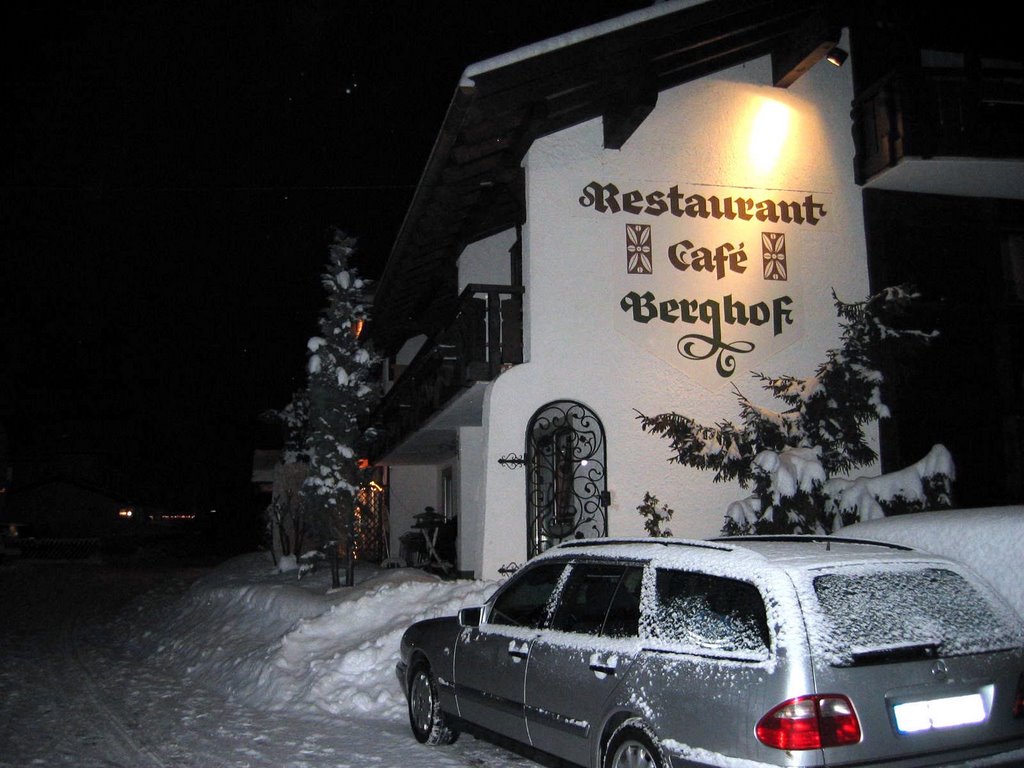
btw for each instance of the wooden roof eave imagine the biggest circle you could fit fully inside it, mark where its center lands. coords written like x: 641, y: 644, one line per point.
x: 503, y: 105
x: 429, y: 181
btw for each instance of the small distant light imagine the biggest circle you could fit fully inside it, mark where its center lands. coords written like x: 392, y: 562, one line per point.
x: 125, y: 512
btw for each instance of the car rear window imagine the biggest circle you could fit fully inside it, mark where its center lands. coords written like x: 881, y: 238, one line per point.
x: 897, y: 614
x: 702, y: 612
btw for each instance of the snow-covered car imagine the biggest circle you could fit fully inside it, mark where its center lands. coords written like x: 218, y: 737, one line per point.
x: 781, y: 651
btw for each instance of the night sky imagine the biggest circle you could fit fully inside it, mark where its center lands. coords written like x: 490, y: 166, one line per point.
x: 171, y: 174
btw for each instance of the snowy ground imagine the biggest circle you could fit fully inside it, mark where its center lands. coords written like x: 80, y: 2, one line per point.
x: 242, y: 666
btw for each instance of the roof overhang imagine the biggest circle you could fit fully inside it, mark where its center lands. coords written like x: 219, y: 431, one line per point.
x: 472, y: 184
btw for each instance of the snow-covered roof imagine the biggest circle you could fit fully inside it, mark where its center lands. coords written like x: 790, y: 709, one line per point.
x: 654, y: 11
x: 471, y: 186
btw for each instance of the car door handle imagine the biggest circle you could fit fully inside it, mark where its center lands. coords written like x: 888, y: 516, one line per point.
x: 518, y: 650
x: 604, y: 666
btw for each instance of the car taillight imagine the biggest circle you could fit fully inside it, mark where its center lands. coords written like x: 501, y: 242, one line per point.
x: 1018, y: 702
x: 810, y: 722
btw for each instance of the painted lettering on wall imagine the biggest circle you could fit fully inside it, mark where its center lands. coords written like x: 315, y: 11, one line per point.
x: 606, y: 198
x: 712, y: 313
x: 691, y: 288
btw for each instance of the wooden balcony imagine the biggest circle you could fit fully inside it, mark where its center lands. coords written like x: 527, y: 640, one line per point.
x: 434, y: 394
x: 952, y: 108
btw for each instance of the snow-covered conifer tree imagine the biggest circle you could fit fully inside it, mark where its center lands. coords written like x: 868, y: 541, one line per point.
x: 342, y: 391
x: 795, y: 460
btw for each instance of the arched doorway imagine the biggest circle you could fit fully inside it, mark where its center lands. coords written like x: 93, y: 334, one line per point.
x: 566, y: 483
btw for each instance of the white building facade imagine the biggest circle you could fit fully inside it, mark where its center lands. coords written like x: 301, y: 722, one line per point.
x: 655, y: 277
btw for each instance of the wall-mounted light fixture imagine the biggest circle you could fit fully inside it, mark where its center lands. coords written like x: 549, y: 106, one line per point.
x: 837, y: 56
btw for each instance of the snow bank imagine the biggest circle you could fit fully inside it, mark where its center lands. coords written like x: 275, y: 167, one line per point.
x: 989, y: 540
x: 271, y: 641
x: 276, y: 643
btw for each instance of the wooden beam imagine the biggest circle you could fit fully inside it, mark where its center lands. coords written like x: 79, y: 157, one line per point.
x: 803, y: 48
x: 625, y: 111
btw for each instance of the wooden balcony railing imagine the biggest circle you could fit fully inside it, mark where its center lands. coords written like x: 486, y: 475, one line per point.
x: 972, y: 111
x: 484, y: 337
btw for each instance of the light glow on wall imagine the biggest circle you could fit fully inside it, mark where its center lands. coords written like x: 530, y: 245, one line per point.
x: 768, y: 133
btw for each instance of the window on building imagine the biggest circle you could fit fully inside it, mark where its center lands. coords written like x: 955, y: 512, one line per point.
x: 448, y: 494
x: 1013, y: 264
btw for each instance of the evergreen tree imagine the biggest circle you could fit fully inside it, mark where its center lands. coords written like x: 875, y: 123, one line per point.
x: 341, y: 393
x: 793, y: 459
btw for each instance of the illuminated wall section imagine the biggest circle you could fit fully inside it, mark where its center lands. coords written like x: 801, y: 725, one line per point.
x: 661, y: 276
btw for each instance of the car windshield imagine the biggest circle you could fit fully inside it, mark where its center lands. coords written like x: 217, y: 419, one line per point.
x: 873, y: 616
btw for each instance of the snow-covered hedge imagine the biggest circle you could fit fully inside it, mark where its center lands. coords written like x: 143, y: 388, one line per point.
x: 989, y: 540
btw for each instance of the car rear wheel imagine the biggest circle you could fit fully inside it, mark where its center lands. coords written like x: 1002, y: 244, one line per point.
x: 633, y: 745
x: 429, y: 724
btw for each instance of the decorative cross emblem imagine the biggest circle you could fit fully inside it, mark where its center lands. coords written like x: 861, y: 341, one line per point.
x: 638, y: 249
x: 773, y: 256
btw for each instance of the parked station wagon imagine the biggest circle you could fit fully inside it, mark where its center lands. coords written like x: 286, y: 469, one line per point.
x: 782, y: 651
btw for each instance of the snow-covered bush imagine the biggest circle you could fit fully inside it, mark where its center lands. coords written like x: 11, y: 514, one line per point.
x: 655, y: 517
x: 795, y: 460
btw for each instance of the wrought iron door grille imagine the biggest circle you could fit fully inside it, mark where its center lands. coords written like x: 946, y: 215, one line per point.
x: 565, y: 482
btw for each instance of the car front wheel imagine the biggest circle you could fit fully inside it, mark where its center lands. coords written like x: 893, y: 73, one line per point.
x: 429, y: 724
x: 633, y: 745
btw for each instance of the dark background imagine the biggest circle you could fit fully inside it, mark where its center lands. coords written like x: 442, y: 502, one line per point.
x: 171, y: 173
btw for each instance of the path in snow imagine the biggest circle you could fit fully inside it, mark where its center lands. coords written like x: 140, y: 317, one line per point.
x: 73, y: 694
x: 55, y: 709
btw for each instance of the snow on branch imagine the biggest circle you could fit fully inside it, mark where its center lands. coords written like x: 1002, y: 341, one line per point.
x: 909, y: 489
x: 790, y: 457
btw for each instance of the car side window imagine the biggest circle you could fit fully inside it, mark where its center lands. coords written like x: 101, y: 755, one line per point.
x: 600, y: 599
x: 525, y: 600
x: 624, y: 613
x: 710, y: 612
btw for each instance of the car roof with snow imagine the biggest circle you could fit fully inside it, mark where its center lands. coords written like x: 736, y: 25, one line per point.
x: 761, y: 552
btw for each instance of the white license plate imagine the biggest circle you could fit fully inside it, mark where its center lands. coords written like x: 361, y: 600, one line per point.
x: 951, y: 712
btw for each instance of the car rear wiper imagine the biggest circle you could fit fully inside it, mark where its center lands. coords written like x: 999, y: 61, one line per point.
x: 887, y: 654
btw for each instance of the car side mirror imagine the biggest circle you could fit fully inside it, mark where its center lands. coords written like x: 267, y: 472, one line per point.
x: 470, y: 617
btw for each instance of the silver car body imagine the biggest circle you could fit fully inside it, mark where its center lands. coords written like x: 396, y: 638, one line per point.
x: 929, y: 658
